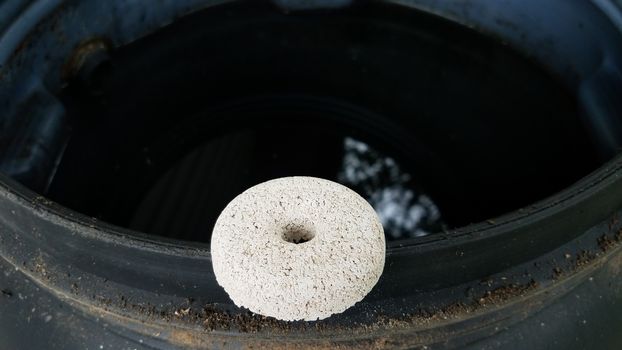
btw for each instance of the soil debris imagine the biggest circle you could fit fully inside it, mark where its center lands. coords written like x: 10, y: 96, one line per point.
x: 605, y: 243
x: 502, y: 294
x: 456, y: 310
x: 583, y: 258
x: 557, y: 273
x: 213, y: 318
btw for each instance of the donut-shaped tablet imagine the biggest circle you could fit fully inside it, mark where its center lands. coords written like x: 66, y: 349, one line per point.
x: 298, y: 248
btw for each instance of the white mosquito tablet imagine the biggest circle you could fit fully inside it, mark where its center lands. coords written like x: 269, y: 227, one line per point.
x: 298, y: 248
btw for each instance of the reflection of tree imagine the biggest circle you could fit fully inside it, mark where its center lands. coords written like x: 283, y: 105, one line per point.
x: 403, y: 212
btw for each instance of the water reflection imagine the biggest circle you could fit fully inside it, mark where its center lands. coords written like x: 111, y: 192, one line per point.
x: 185, y: 202
x: 403, y: 211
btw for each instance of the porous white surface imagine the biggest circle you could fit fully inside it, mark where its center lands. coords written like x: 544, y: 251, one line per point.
x: 270, y: 276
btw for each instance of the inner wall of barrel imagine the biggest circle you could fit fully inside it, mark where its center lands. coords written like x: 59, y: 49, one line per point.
x: 437, y: 126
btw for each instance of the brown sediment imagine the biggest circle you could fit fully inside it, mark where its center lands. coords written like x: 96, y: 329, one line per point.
x: 212, y: 318
x: 584, y: 258
x: 557, y: 273
x: 605, y: 243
